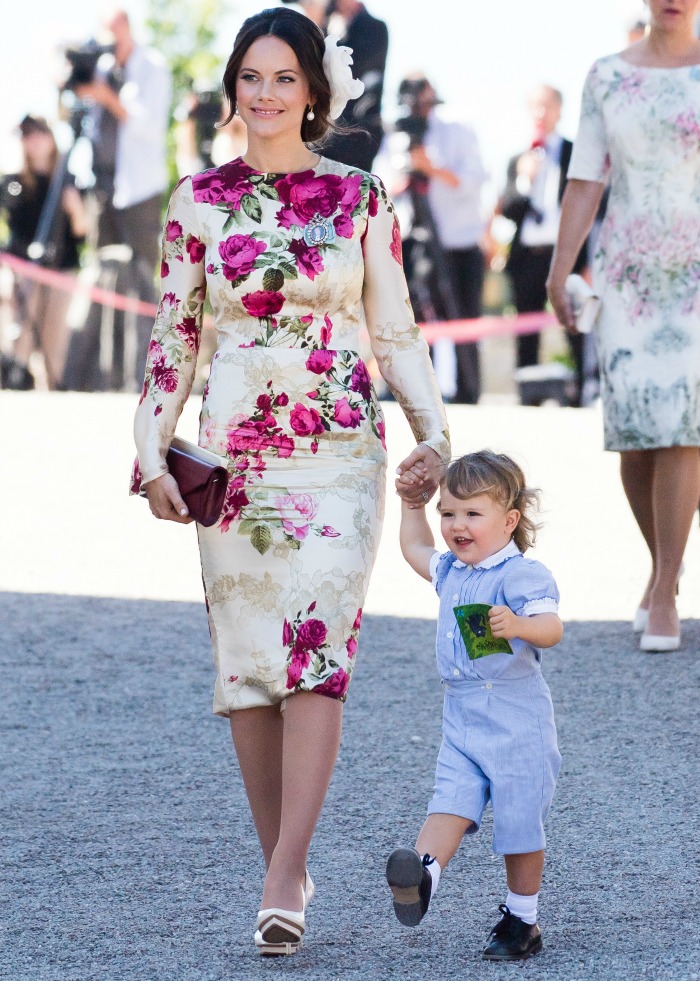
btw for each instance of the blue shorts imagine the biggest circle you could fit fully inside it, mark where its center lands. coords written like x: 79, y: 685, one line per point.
x: 499, y: 742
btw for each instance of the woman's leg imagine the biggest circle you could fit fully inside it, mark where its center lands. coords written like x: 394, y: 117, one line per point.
x: 257, y: 739
x: 311, y: 738
x: 676, y: 490
x: 637, y: 473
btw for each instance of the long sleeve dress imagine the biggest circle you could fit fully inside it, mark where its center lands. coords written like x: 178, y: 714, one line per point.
x: 640, y: 129
x: 296, y: 267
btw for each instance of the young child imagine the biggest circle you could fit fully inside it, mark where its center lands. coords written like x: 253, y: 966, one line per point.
x: 499, y: 739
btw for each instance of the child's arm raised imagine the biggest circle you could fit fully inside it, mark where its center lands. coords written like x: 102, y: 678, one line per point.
x: 540, y: 629
x: 416, y: 539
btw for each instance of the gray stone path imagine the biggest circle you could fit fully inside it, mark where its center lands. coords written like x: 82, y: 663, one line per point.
x: 126, y: 849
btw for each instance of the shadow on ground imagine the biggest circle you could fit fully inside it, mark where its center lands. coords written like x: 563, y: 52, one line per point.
x: 128, y: 852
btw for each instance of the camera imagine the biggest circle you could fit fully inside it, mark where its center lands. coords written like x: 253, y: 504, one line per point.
x: 83, y: 62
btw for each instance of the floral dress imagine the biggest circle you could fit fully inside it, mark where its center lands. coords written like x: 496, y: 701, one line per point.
x: 296, y: 266
x: 640, y: 128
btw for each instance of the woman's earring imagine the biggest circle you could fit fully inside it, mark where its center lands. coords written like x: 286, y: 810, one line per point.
x: 236, y: 112
x: 311, y: 115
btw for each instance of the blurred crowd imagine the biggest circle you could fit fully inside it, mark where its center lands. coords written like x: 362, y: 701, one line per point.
x: 117, y: 98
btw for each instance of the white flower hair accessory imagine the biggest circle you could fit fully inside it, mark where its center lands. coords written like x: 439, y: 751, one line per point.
x: 336, y: 65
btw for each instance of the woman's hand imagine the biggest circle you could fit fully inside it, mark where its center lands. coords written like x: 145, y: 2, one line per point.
x: 419, y: 475
x: 561, y: 304
x: 165, y: 500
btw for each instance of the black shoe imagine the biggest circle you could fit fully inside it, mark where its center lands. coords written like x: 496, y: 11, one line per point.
x: 512, y: 939
x: 14, y: 375
x: 411, y: 884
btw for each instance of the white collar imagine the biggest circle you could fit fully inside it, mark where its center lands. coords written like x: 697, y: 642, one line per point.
x: 507, y: 552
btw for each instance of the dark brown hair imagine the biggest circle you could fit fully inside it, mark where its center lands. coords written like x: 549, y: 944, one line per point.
x: 502, y: 479
x: 306, y: 40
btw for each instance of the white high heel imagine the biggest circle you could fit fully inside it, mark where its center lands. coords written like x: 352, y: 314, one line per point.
x: 659, y: 643
x: 279, y: 931
x: 641, y: 619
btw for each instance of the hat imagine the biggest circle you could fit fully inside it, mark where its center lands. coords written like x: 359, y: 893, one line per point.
x: 33, y: 124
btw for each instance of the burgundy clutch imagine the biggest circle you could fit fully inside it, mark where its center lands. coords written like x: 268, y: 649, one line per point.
x: 201, y: 477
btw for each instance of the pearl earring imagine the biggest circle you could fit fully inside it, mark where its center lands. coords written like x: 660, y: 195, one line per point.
x: 311, y: 115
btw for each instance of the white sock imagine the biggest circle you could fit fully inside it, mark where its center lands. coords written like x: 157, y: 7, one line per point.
x: 524, y: 907
x: 435, y: 870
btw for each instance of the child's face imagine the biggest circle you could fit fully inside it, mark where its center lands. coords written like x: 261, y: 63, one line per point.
x: 475, y: 527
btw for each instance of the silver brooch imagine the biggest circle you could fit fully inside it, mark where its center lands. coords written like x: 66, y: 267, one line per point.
x: 319, y: 231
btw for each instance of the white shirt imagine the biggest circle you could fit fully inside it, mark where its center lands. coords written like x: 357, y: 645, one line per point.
x: 544, y: 195
x: 141, y: 139
x: 456, y: 210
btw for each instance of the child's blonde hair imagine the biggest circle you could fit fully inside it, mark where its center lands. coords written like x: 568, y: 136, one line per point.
x: 502, y: 479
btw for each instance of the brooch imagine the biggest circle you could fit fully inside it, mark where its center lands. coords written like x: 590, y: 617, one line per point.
x: 695, y: 73
x: 319, y: 231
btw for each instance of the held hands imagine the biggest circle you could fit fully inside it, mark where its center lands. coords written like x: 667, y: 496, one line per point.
x: 419, y: 476
x: 504, y: 623
x: 165, y: 500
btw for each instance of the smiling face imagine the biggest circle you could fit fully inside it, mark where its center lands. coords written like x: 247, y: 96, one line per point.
x: 673, y: 14
x: 272, y: 92
x: 475, y: 527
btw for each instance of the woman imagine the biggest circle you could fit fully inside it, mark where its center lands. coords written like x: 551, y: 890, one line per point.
x: 298, y: 254
x: 640, y: 130
x: 40, y: 309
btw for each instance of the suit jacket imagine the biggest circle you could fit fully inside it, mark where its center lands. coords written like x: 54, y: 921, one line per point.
x: 516, y: 207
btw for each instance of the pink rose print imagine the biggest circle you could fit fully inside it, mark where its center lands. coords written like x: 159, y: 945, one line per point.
x: 282, y: 399
x: 335, y: 686
x: 264, y: 402
x: 320, y: 361
x: 164, y: 270
x: 224, y: 185
x: 358, y: 620
x: 372, y: 204
x: 360, y: 381
x: 236, y: 499
x: 164, y: 375
x: 351, y: 193
x: 188, y: 330
x: 195, y: 249
x: 297, y: 510
x: 311, y: 634
x: 246, y: 439
x: 303, y: 197
x: 395, y: 247
x: 343, y: 226
x: 263, y: 303
x: 328, y: 532
x: 351, y: 646
x: 173, y: 231
x: 136, y: 477
x: 345, y: 415
x: 239, y: 253
x: 167, y: 301
x: 287, y: 633
x: 305, y: 422
x: 294, y: 669
x: 381, y: 432
x: 309, y: 259
x: 326, y: 331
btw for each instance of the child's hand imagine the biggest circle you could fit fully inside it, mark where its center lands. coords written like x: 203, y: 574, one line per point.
x: 411, y: 486
x: 504, y: 623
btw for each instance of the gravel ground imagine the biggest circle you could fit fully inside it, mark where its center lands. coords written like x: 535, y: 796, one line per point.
x: 119, y: 863
x: 128, y: 852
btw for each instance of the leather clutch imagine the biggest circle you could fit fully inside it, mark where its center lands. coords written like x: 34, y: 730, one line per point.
x: 201, y: 477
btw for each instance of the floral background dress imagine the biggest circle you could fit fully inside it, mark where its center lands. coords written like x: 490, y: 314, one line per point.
x: 296, y: 267
x: 641, y: 128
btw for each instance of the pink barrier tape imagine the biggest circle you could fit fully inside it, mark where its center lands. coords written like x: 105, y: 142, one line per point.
x: 460, y: 331
x: 71, y: 284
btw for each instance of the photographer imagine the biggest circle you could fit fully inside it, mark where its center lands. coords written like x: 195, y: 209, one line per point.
x: 130, y: 94
x: 445, y: 176
x: 39, y: 309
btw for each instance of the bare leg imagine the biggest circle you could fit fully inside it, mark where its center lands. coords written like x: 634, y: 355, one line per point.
x: 637, y: 473
x: 311, y: 738
x: 676, y: 490
x: 524, y: 872
x: 441, y: 836
x: 257, y: 738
